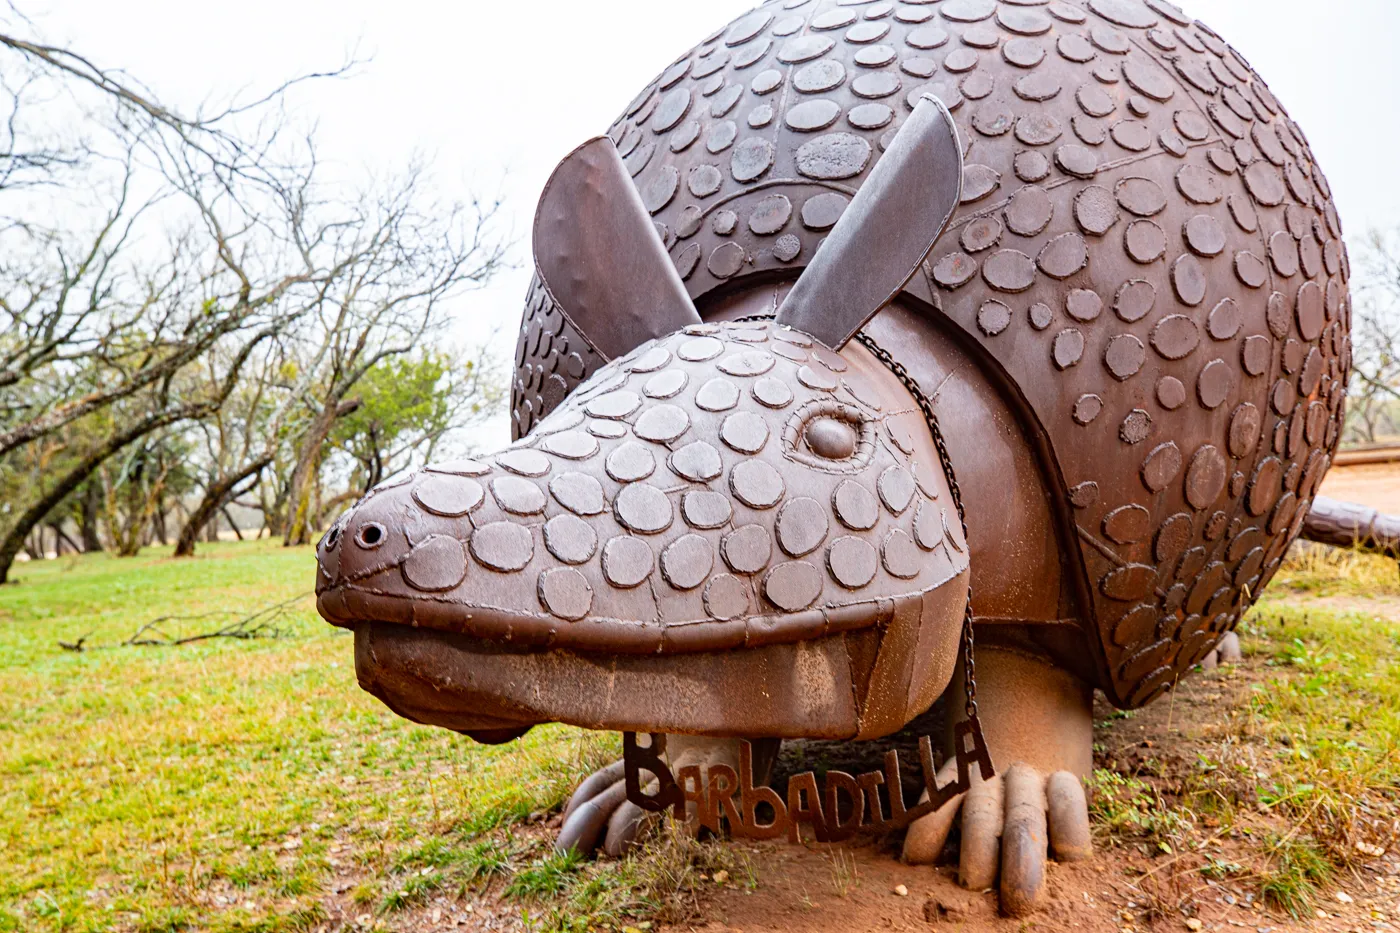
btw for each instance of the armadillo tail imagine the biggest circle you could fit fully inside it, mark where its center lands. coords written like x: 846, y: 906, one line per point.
x: 1346, y: 524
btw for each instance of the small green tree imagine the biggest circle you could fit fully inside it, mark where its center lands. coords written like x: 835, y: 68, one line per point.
x: 406, y: 405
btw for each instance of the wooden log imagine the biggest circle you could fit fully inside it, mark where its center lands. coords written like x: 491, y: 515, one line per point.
x: 1361, y: 456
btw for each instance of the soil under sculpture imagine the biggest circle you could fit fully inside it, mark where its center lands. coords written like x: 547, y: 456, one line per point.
x: 1133, y: 333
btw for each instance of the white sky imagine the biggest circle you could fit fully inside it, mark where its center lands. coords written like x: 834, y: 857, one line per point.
x: 497, y: 92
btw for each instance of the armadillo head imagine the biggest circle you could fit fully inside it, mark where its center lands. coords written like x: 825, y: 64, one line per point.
x: 740, y: 528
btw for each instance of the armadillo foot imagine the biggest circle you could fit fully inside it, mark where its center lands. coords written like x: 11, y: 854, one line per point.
x: 599, y: 815
x: 1039, y: 727
x: 1010, y: 826
x: 1227, y: 652
x: 1229, y: 649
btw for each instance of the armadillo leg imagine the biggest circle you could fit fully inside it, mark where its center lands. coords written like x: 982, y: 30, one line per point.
x: 1068, y: 810
x: 626, y: 824
x: 1229, y: 648
x: 585, y: 826
x: 593, y: 785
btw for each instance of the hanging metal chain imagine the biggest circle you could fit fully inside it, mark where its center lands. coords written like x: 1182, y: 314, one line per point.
x: 926, y: 406
x: 931, y: 419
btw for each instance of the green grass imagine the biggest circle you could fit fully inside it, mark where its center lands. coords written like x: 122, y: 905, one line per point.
x: 222, y: 785
x: 1316, y: 570
x: 234, y: 785
x: 1317, y: 741
x: 1301, y: 778
x: 1328, y: 717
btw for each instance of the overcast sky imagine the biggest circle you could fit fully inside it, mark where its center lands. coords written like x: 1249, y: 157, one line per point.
x: 498, y: 92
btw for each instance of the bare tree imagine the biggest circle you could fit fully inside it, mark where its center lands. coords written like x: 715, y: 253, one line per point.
x: 239, y: 441
x: 402, y: 260
x: 61, y: 297
x: 102, y: 320
x: 155, y: 415
x: 136, y: 485
x: 1373, y: 402
x: 151, y: 261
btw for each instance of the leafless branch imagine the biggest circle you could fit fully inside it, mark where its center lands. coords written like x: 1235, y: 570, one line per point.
x: 262, y: 623
x: 1374, y: 397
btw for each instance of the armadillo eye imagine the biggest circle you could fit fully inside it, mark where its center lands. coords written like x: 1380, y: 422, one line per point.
x: 831, y: 438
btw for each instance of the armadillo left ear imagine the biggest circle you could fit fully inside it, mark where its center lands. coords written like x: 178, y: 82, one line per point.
x: 599, y: 255
x: 886, y: 232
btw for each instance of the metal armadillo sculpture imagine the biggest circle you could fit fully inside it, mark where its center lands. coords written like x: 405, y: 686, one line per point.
x: 724, y: 516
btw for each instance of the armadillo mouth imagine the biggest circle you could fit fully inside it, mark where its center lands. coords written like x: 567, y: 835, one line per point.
x: 348, y: 605
x: 471, y: 686
x: 839, y: 684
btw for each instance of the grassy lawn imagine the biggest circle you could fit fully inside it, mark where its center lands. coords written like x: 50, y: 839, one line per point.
x: 1316, y: 746
x: 231, y: 785
x: 251, y: 785
x: 1285, y: 777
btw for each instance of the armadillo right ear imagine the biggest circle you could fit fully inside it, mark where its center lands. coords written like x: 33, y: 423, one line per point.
x: 886, y: 232
x: 599, y: 255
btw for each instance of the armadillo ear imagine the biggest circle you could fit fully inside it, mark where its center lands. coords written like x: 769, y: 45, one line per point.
x: 886, y: 232
x: 600, y: 258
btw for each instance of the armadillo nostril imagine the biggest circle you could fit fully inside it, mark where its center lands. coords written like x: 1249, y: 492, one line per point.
x: 831, y: 439
x: 370, y: 536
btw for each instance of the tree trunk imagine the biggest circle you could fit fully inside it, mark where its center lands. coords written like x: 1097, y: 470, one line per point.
x: 158, y: 521
x: 14, y: 539
x: 302, y: 483
x: 90, y: 508
x: 129, y: 533
x: 228, y: 517
x: 216, y: 497
x: 61, y: 538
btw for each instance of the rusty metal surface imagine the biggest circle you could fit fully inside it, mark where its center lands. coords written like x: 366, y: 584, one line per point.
x: 730, y: 486
x: 839, y: 686
x: 710, y: 792
x: 598, y: 257
x: 1146, y: 250
x: 469, y: 685
x: 1347, y: 525
x: 886, y: 232
x: 551, y: 359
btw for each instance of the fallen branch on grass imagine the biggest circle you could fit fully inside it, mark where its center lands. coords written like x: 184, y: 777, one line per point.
x: 260, y: 624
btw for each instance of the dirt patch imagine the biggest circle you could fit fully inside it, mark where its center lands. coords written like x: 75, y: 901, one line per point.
x: 1377, y: 606
x: 1374, y: 484
x: 1135, y: 881
x: 1164, y: 860
x: 823, y: 888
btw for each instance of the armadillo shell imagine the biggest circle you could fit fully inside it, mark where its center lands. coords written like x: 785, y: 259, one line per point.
x: 1146, y: 246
